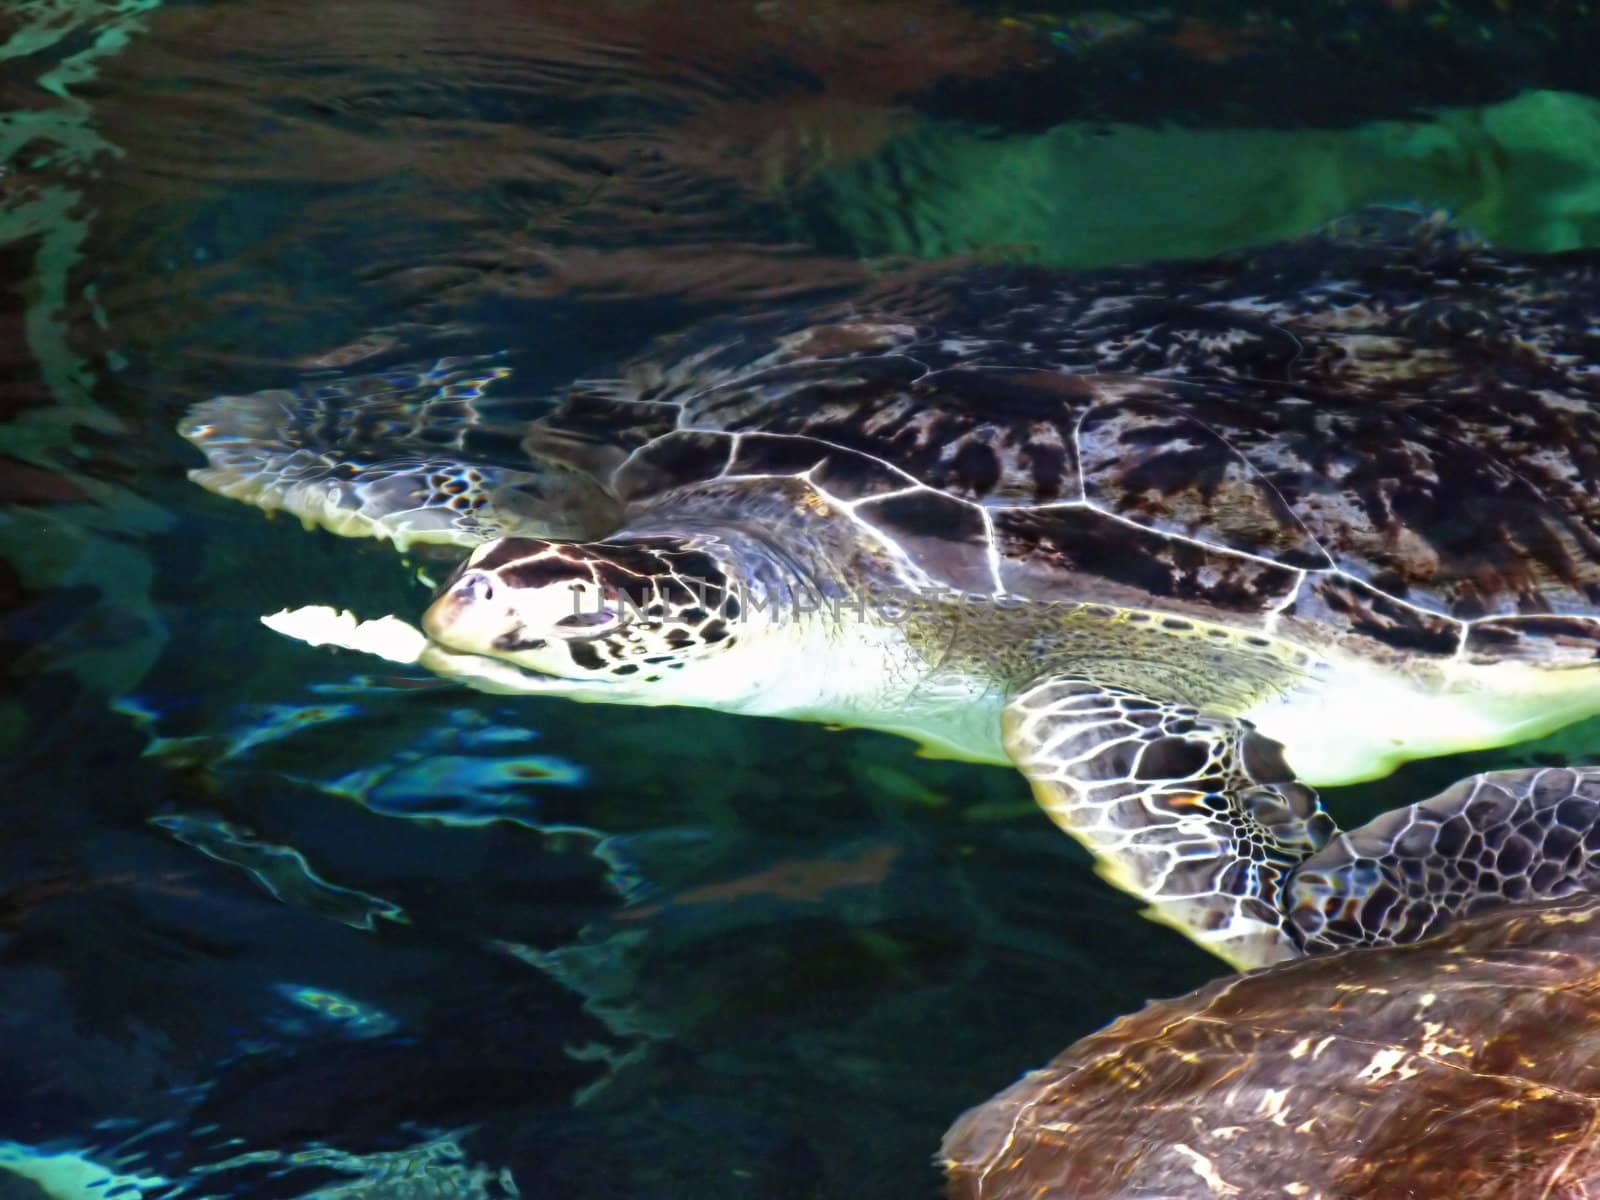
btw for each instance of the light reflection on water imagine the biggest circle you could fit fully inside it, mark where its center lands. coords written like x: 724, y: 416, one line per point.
x: 648, y: 954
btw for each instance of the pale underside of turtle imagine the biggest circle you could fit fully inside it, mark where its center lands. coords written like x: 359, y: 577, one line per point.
x: 1465, y: 1066
x: 1219, y: 530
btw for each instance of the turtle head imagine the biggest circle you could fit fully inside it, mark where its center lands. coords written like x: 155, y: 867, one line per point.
x: 641, y: 615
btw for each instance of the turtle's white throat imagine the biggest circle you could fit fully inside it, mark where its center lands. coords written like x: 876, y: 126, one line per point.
x: 811, y: 671
x: 486, y: 673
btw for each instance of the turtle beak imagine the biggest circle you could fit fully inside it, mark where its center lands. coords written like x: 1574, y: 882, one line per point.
x: 465, y: 615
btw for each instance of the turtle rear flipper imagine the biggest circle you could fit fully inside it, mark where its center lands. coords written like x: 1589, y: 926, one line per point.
x: 386, y: 467
x: 1499, y: 838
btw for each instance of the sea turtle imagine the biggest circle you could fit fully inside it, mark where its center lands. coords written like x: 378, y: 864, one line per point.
x: 1466, y: 1065
x: 1179, y: 541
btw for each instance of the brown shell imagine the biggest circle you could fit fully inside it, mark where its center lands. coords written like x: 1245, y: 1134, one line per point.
x: 1465, y: 1066
x: 1388, y: 436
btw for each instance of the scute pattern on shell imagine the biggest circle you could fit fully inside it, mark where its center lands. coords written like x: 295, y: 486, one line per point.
x: 1466, y: 1065
x: 1386, y: 434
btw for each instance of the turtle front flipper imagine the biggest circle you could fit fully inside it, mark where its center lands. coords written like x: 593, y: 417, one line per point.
x: 389, y: 466
x: 1198, y: 814
x: 1493, y: 839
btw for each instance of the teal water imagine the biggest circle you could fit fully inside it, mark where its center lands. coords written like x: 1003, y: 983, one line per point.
x: 276, y: 923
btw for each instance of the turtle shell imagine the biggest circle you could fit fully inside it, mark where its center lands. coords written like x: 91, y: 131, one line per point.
x: 1466, y: 1065
x: 1385, y: 434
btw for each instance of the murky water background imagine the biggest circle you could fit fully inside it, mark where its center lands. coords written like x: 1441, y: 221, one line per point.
x: 273, y: 925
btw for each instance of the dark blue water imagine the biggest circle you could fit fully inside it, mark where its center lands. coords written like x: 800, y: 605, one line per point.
x: 277, y: 923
